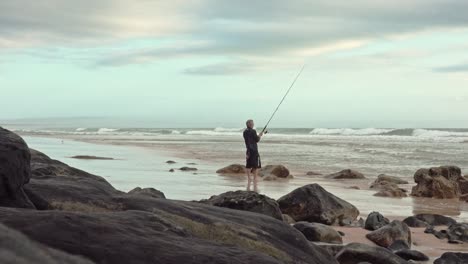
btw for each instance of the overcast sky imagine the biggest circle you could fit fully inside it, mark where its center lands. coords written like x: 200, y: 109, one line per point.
x: 369, y: 63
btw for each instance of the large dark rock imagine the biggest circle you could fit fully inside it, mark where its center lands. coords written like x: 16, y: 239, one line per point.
x: 15, y: 170
x: 312, y: 203
x: 232, y: 169
x: 458, y: 232
x: 375, y: 220
x: 409, y: 254
x: 438, y: 182
x: 390, y: 233
x: 279, y: 171
x: 346, y: 174
x: 355, y: 253
x: 164, y: 231
x: 319, y: 232
x: 148, y: 192
x: 425, y: 220
x: 17, y: 248
x: 246, y: 201
x: 452, y: 258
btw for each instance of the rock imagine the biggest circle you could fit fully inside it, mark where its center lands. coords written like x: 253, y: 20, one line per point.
x: 409, y: 254
x: 188, y: 169
x: 319, y: 232
x: 170, y: 162
x: 375, y: 221
x: 331, y: 248
x: 353, y: 187
x: 415, y: 222
x: 346, y: 174
x: 312, y: 203
x: 388, y: 234
x: 270, y: 178
x: 288, y: 220
x: 429, y: 219
x: 151, y: 192
x: 399, y: 245
x: 391, y: 190
x: 17, y: 248
x: 452, y: 258
x: 15, y: 170
x: 438, y: 182
x: 354, y: 253
x: 39, y: 202
x: 458, y: 232
x: 246, y: 201
x: 191, y: 163
x: 87, y: 157
x: 356, y: 223
x: 171, y: 170
x: 392, y: 179
x: 279, y: 171
x: 167, y: 232
x: 312, y: 173
x: 232, y: 169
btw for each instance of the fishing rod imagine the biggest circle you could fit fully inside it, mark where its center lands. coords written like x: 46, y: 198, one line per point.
x: 284, y: 97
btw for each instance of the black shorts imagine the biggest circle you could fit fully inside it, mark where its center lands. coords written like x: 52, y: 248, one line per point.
x: 253, y: 160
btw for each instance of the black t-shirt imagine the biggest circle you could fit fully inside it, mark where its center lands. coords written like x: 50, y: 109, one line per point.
x: 251, y: 138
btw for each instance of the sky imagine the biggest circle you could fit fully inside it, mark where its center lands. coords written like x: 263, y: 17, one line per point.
x: 210, y: 63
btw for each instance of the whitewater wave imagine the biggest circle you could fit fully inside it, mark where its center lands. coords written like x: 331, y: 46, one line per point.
x: 222, y: 129
x: 106, y: 130
x: 350, y: 131
x: 426, y: 133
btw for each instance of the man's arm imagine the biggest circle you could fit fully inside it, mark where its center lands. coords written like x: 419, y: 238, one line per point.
x: 258, y: 137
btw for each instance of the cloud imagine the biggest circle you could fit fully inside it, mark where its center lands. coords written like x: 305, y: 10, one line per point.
x: 452, y: 68
x: 222, y: 69
x: 252, y: 31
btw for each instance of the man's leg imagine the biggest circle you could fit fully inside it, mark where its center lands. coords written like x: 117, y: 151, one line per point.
x: 255, y: 172
x: 249, y: 180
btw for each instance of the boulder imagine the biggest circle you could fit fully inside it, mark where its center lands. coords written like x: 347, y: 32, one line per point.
x: 399, y: 245
x: 188, y: 169
x: 425, y: 220
x: 246, y: 201
x: 375, y: 221
x: 288, y: 220
x: 390, y: 233
x: 331, y: 248
x: 279, y: 171
x: 390, y: 190
x: 415, y: 222
x: 15, y: 170
x: 458, y: 232
x: 409, y: 254
x: 438, y: 182
x: 392, y: 179
x: 312, y: 203
x: 452, y: 258
x: 165, y: 231
x: 232, y: 169
x: 354, y: 253
x: 19, y: 249
x: 151, y: 192
x: 170, y: 162
x: 319, y: 232
x: 346, y: 174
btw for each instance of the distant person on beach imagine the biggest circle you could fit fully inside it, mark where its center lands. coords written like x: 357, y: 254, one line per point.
x: 253, y: 163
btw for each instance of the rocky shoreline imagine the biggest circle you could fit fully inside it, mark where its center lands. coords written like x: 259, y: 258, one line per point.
x: 53, y: 213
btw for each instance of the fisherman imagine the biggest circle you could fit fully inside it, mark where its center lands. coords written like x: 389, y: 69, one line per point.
x: 252, y: 156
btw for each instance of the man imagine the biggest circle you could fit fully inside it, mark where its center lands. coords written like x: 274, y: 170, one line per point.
x: 252, y: 157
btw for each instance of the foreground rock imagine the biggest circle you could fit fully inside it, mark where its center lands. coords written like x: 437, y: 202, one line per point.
x: 390, y: 233
x: 458, y: 232
x: 375, y: 220
x: 409, y: 254
x: 232, y: 169
x: 17, y: 248
x: 312, y: 203
x: 354, y: 253
x: 425, y: 220
x: 278, y: 171
x: 151, y: 192
x: 15, y: 170
x: 246, y: 201
x: 319, y: 232
x: 440, y: 182
x: 452, y: 258
x: 346, y: 174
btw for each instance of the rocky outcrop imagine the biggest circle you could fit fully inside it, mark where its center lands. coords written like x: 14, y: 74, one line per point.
x: 232, y: 169
x: 346, y: 174
x: 354, y: 253
x: 17, y: 248
x: 392, y: 179
x: 319, y: 232
x: 452, y: 258
x: 151, y: 192
x: 246, y: 201
x: 439, y: 182
x: 390, y: 233
x: 375, y: 221
x: 278, y: 171
x: 312, y: 203
x: 15, y: 170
